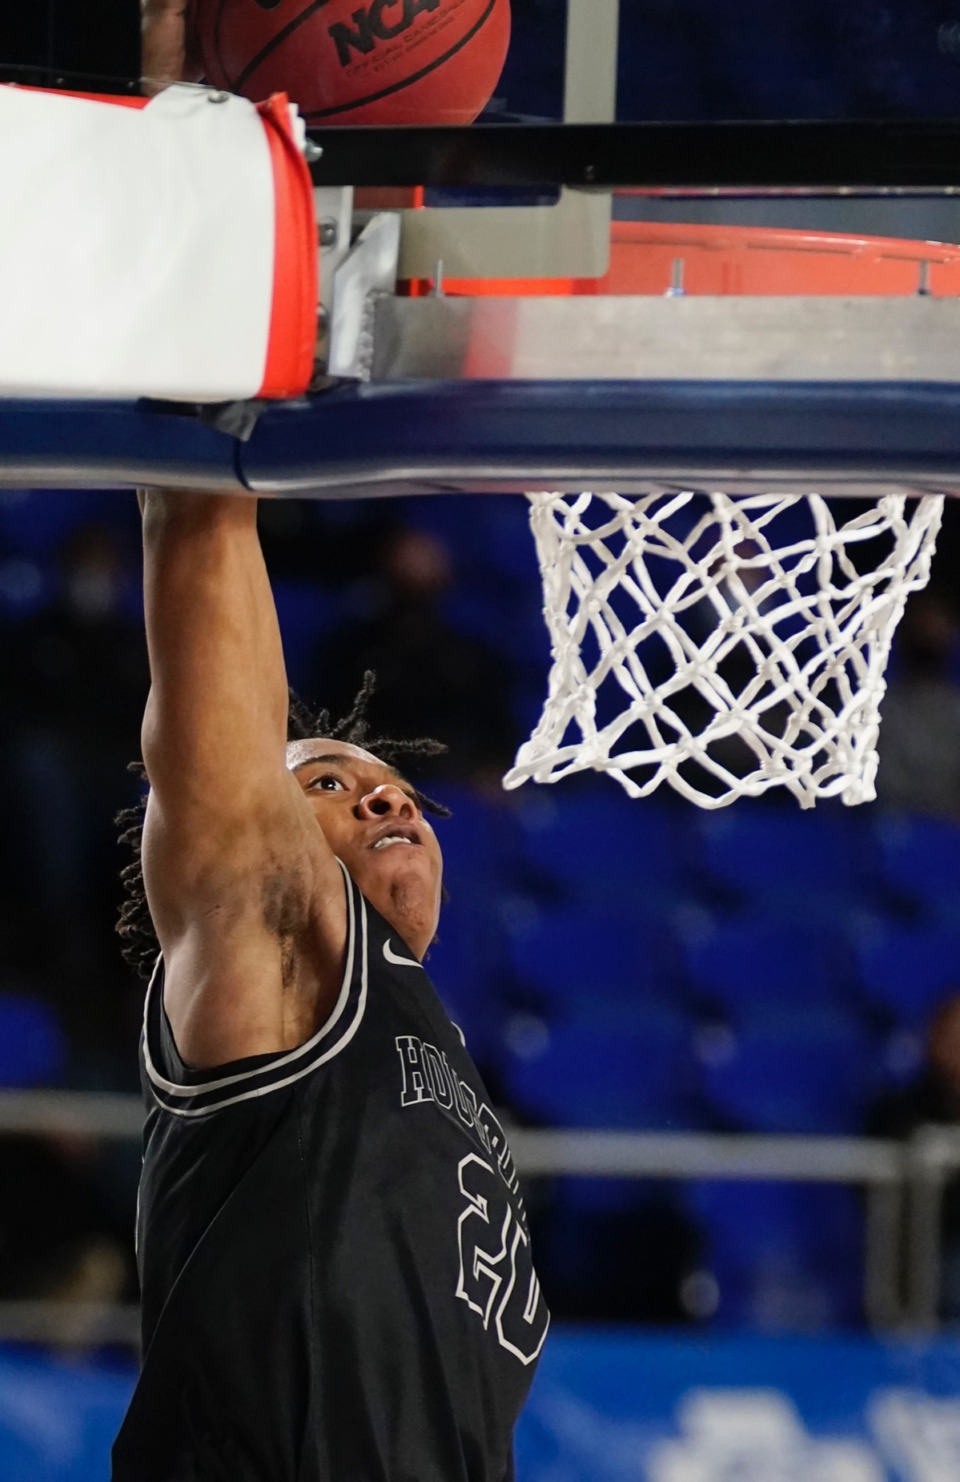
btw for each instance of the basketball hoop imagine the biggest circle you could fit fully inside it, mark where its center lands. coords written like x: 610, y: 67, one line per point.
x: 721, y: 646
x: 725, y: 646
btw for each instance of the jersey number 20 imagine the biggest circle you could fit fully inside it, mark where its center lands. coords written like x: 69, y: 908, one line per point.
x: 497, y: 1279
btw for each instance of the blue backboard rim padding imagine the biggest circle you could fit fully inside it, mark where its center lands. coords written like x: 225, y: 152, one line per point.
x: 364, y: 440
x: 96, y: 444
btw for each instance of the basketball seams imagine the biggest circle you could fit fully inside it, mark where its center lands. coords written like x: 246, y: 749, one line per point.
x: 230, y: 36
x: 245, y: 80
x: 397, y: 87
x: 275, y: 41
x: 227, y: 83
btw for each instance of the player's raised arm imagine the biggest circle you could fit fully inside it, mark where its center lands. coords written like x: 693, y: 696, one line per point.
x: 244, y: 892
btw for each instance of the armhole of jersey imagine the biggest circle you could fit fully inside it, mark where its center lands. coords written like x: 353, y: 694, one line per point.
x: 209, y: 1091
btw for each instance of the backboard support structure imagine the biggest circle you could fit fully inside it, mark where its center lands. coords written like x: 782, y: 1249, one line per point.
x: 490, y: 346
x: 536, y: 336
x: 570, y: 238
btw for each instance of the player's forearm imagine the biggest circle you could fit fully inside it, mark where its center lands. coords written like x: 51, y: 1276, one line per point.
x: 218, y: 702
x: 165, y: 50
x: 162, y: 57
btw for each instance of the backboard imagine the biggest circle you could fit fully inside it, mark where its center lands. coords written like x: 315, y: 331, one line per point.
x: 614, y: 124
x: 829, y: 117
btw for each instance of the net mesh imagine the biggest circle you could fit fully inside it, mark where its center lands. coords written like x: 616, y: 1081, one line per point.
x: 721, y: 645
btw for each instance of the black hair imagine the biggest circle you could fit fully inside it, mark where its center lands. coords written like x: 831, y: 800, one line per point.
x: 139, y: 945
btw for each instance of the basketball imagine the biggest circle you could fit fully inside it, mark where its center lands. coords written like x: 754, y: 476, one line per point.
x: 345, y: 62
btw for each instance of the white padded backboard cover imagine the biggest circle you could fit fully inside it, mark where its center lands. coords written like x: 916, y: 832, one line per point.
x: 139, y: 247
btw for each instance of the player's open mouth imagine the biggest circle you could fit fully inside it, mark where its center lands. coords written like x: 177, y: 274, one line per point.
x: 401, y: 835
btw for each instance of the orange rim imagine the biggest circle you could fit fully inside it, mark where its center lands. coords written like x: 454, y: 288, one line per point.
x: 741, y: 260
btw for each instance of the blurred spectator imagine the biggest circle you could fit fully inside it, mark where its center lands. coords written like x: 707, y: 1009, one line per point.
x: 627, y: 1254
x: 73, y: 690
x: 60, y: 1238
x: 920, y: 715
x: 324, y: 542
x: 431, y: 679
x: 933, y: 1099
x: 67, y: 1205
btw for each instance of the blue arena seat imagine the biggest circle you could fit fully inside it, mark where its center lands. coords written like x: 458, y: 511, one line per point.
x: 34, y: 523
x: 784, y: 860
x: 33, y: 1048
x: 785, y: 1256
x: 478, y: 613
x: 469, y: 961
x: 467, y: 965
x: 25, y: 587
x: 813, y: 1075
x: 907, y: 970
x: 581, y: 1073
x: 307, y: 613
x: 919, y: 862
x: 479, y: 841
x: 599, y: 845
x: 565, y: 961
x: 601, y: 1074
x: 490, y: 538
x: 737, y: 964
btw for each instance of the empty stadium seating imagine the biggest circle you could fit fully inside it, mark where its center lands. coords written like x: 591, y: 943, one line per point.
x: 809, y: 865
x: 33, y: 1048
x: 918, y: 860
x: 907, y: 969
x: 581, y: 1073
x: 594, y: 844
x: 738, y: 964
x: 783, y: 1255
x: 808, y: 1074
x: 588, y: 961
x: 634, y: 964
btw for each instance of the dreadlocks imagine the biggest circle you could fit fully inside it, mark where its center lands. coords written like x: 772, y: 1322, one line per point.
x: 139, y: 945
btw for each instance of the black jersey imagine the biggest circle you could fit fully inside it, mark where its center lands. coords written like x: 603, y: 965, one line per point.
x: 334, y: 1256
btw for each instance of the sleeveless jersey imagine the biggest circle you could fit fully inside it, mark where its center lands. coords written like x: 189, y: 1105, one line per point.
x: 334, y: 1256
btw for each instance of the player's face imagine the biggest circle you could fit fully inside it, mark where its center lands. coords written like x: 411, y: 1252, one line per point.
x: 372, y: 821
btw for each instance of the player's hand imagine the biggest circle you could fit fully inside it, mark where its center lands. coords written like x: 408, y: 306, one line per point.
x: 167, y: 50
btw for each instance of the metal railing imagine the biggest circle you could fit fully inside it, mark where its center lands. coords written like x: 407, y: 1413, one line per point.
x: 903, y: 1185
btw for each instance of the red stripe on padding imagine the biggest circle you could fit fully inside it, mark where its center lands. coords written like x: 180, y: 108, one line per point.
x: 293, y: 318
x: 62, y: 92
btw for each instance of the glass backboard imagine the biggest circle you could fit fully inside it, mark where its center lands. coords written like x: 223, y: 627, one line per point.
x: 626, y: 61
x: 713, y: 60
x: 611, y: 120
x: 826, y: 115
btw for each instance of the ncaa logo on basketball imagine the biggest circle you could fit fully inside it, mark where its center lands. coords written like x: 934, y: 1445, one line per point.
x: 382, y: 21
x: 403, y: 62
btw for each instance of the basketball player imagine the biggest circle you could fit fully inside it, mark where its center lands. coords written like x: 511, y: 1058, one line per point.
x: 334, y: 1256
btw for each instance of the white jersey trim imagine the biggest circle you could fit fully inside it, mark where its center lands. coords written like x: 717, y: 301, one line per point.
x: 204, y: 1088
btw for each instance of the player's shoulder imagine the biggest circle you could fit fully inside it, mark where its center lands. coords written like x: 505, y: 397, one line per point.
x: 190, y: 1093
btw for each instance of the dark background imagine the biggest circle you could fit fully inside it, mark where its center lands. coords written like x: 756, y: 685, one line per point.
x: 679, y: 59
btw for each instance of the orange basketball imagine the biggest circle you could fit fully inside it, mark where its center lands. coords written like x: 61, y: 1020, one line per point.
x: 358, y: 61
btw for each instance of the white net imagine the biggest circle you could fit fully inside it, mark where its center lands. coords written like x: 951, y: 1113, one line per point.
x: 722, y: 645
